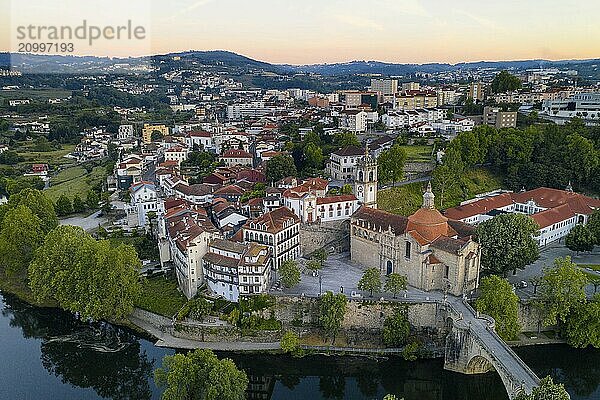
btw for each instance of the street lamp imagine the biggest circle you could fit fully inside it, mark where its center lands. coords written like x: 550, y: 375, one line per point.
x: 320, y: 285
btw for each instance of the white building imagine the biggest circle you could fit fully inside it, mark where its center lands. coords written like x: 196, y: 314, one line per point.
x: 232, y: 269
x: 144, y: 200
x: 353, y: 120
x: 279, y: 230
x: 177, y: 153
x: 342, y: 162
x: 234, y: 157
x: 184, y: 237
x: 555, y: 211
x: 582, y: 105
x: 202, y: 140
x: 125, y: 132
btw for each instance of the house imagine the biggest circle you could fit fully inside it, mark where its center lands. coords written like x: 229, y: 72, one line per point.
x: 234, y: 157
x: 177, y: 153
x: 184, y: 236
x: 125, y: 132
x: 342, y: 162
x: 232, y: 269
x: 143, y: 200
x: 279, y: 230
x: 353, y: 120
x: 432, y: 251
x: 129, y: 171
x: 199, y: 139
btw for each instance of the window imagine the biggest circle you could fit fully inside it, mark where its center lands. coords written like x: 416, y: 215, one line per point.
x: 447, y: 272
x: 407, y: 250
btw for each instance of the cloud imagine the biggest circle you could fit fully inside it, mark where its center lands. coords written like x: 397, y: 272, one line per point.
x: 358, y: 22
x: 191, y: 7
x: 407, y: 7
x: 484, y: 22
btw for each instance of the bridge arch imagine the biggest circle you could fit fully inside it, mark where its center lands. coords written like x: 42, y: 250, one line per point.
x: 479, y: 365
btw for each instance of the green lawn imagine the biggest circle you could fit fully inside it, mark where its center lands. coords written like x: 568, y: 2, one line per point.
x: 53, y: 158
x: 418, y: 153
x: 35, y: 94
x: 75, y: 180
x: 405, y: 200
x: 161, y: 296
x: 595, y: 267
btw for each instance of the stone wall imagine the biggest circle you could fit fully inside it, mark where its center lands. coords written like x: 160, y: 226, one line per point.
x: 530, y: 318
x: 223, y: 334
x: 329, y: 235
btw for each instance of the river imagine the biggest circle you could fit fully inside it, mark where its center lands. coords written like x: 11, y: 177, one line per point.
x: 46, y: 354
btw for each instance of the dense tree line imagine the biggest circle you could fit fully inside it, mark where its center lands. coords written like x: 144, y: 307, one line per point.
x: 539, y: 155
x: 98, y: 279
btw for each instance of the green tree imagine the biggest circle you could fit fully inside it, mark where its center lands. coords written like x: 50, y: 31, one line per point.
x: 156, y: 135
x: 582, y: 157
x: 580, y: 238
x: 200, y: 375
x: 449, y: 174
x: 280, y: 167
x: 346, y: 189
x: 63, y: 206
x: 289, y: 273
x: 92, y: 199
x: 10, y: 157
x: 78, y: 204
x: 321, y: 256
x: 396, y: 329
x: 289, y: 342
x: 93, y: 278
x: 313, y: 157
x: 371, y: 281
x: 594, y: 226
x: 20, y: 235
x: 395, y: 283
x: 498, y: 300
x: 505, y: 82
x: 583, y: 324
x: 562, y: 288
x: 314, y: 264
x: 38, y: 203
x: 332, y: 308
x: 507, y: 242
x: 391, y: 164
x: 548, y: 390
x: 344, y: 139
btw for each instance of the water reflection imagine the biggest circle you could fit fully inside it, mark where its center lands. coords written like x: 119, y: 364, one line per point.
x: 578, y: 369
x: 115, y: 363
x: 322, y: 378
x: 105, y: 358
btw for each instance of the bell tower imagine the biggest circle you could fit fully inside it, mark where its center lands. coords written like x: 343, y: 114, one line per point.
x: 365, y: 180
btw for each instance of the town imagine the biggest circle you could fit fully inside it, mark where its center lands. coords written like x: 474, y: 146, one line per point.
x: 455, y: 194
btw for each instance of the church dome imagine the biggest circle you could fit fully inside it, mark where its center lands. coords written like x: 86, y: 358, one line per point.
x: 427, y: 221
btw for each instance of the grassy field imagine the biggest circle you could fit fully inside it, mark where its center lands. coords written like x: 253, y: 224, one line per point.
x: 75, y: 180
x: 161, y: 296
x: 53, y: 158
x: 35, y: 94
x: 405, y: 200
x: 418, y: 153
x: 595, y: 267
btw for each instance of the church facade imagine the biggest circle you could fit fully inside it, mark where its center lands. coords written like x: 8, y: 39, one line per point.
x: 433, y: 252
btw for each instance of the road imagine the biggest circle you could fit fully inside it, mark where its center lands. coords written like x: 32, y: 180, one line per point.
x: 88, y: 223
x: 547, y: 256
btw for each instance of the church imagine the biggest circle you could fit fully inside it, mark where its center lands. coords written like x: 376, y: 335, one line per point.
x: 432, y: 251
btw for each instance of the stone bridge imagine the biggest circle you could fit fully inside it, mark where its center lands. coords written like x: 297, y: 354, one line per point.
x: 473, y: 347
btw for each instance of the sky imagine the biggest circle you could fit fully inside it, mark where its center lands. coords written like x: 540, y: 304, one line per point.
x: 328, y: 31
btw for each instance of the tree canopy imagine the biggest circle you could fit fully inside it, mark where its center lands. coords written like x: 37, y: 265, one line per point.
x: 21, y: 234
x: 200, y: 375
x: 581, y: 238
x: 395, y: 283
x: 370, y: 281
x: 83, y: 275
x: 38, y: 203
x: 391, y: 164
x: 498, y: 300
x: 279, y: 167
x: 396, y: 329
x: 507, y: 242
x: 548, y: 390
x: 289, y: 273
x: 583, y: 324
x: 505, y: 82
x: 561, y: 289
x: 332, y: 308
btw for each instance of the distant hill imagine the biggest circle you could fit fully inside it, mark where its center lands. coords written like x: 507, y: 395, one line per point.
x: 242, y: 64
